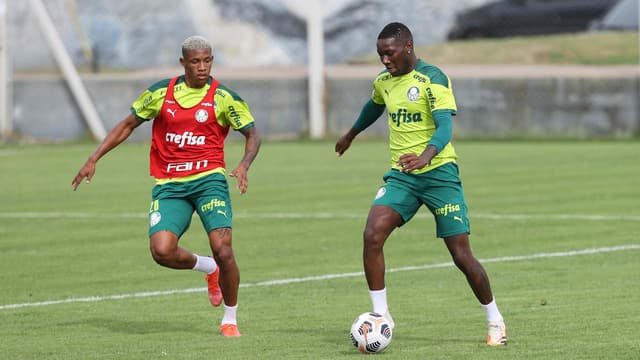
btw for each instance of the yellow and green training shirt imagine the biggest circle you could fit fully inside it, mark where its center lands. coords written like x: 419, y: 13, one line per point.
x: 411, y: 100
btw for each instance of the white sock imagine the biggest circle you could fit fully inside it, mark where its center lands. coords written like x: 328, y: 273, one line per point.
x: 492, y: 312
x: 206, y: 264
x: 229, y: 316
x: 379, y: 301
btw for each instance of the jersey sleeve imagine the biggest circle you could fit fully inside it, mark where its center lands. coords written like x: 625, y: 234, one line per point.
x: 441, y: 97
x: 232, y: 110
x: 376, y: 94
x: 148, y: 105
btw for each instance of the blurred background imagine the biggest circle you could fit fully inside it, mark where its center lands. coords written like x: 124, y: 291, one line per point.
x: 70, y: 69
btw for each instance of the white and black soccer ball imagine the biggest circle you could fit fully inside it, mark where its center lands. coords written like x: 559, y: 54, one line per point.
x: 370, y: 333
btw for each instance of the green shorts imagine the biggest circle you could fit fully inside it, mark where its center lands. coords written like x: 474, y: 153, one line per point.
x: 173, y: 204
x: 439, y: 189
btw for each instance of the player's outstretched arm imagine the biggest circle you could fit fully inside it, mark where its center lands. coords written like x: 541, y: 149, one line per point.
x: 117, y: 135
x: 251, y: 148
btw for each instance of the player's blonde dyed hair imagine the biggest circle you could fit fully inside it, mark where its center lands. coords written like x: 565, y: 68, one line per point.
x: 195, y: 42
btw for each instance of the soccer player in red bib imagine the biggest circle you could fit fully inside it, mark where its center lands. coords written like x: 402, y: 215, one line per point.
x: 191, y: 115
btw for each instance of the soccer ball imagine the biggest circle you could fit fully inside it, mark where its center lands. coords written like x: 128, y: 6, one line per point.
x: 370, y: 333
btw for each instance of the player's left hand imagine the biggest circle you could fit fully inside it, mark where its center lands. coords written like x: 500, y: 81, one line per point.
x: 410, y: 162
x: 240, y: 173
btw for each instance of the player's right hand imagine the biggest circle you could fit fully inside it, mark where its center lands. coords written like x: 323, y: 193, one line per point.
x: 87, y: 171
x: 343, y: 144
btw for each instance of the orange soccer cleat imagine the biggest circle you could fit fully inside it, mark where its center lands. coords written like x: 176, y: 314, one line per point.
x: 215, y: 294
x: 229, y: 330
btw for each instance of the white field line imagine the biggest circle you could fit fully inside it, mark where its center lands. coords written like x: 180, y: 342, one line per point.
x: 322, y: 277
x: 317, y: 215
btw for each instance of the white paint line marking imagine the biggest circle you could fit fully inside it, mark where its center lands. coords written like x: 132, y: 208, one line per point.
x: 322, y: 277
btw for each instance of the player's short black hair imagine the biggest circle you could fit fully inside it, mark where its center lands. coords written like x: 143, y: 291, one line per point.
x: 395, y: 30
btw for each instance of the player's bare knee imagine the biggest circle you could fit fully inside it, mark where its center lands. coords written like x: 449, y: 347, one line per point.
x: 463, y: 260
x: 163, y: 255
x: 162, y: 258
x: 224, y: 255
x: 373, y: 240
x: 368, y: 234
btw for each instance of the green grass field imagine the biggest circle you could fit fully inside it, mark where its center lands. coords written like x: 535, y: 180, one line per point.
x: 78, y: 282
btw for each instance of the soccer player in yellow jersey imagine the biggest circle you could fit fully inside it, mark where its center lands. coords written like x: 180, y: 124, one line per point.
x: 191, y: 114
x: 420, y: 105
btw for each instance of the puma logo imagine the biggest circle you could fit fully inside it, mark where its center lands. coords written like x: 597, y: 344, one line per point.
x: 457, y: 218
x: 172, y: 112
x: 222, y: 212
